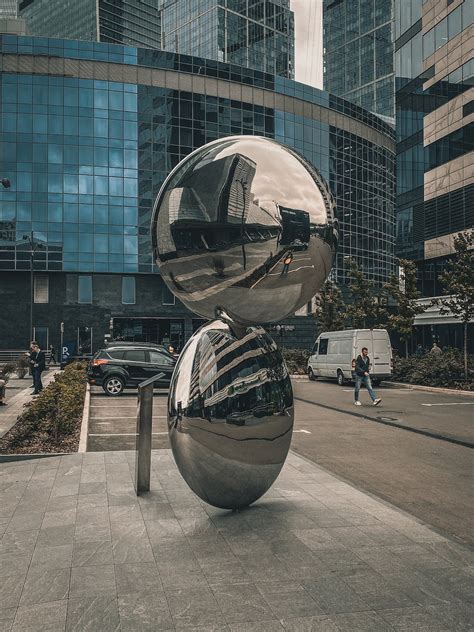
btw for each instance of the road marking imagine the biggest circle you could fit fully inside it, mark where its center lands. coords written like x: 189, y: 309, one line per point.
x: 452, y: 404
x: 305, y: 431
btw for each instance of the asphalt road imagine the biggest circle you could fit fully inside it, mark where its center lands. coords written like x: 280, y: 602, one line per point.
x: 412, y: 450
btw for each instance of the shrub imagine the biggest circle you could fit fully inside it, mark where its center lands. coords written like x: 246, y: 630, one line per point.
x: 22, y: 366
x: 58, y: 408
x: 8, y: 368
x: 445, y: 370
x: 296, y: 360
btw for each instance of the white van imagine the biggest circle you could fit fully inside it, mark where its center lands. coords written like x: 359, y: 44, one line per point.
x: 334, y: 354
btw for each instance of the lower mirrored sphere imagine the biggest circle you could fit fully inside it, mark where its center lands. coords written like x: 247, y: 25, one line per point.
x: 230, y: 414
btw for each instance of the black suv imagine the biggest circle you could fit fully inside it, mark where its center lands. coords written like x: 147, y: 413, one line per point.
x: 125, y: 366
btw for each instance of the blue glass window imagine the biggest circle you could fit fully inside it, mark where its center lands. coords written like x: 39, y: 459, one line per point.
x: 84, y: 289
x: 128, y: 290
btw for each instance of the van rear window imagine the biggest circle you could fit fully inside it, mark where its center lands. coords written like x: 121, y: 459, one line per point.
x: 323, y: 346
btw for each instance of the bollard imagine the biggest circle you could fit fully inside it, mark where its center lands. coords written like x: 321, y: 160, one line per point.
x: 144, y: 434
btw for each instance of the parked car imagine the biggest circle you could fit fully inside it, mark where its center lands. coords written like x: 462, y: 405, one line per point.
x: 125, y: 366
x: 334, y: 354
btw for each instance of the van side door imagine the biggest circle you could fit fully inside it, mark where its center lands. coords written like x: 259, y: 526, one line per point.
x: 322, y: 363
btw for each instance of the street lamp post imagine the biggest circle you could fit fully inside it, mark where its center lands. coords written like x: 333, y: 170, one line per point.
x: 33, y: 247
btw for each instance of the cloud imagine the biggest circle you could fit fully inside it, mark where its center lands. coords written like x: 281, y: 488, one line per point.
x: 308, y: 41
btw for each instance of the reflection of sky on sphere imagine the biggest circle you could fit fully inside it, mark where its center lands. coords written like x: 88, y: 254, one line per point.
x: 279, y: 177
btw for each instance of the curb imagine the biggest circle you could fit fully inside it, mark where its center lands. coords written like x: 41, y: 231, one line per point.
x: 430, y: 389
x: 85, y: 421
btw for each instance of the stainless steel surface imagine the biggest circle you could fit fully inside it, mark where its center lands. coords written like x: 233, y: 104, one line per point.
x: 144, y: 434
x: 230, y: 414
x: 244, y: 227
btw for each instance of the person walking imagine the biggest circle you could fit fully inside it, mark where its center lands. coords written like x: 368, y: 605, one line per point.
x: 52, y: 355
x: 3, y: 386
x: 286, y: 263
x: 419, y: 350
x: 38, y: 364
x: 362, y: 377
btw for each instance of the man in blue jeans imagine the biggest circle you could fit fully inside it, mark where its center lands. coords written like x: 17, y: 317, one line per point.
x: 362, y: 377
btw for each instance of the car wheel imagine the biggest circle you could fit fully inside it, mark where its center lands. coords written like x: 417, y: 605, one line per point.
x: 113, y: 386
x: 340, y: 378
x: 311, y: 374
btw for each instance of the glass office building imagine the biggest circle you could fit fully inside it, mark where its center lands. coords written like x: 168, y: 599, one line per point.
x: 435, y: 139
x: 133, y: 22
x: 87, y: 153
x: 358, y: 53
x: 257, y: 34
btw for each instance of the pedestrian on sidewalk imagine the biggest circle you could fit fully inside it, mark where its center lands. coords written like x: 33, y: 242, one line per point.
x: 52, y: 355
x: 38, y: 365
x: 362, y: 377
x: 3, y: 386
x: 435, y: 350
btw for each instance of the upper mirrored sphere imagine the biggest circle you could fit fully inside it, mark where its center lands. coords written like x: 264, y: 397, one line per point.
x: 246, y: 227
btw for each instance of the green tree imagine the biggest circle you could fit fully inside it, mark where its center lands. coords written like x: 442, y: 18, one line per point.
x: 458, y: 283
x: 365, y: 310
x: 405, y: 294
x: 330, y: 308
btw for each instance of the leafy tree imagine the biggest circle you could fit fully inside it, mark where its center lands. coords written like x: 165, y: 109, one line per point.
x: 330, y: 308
x: 405, y: 295
x: 458, y: 282
x: 365, y: 310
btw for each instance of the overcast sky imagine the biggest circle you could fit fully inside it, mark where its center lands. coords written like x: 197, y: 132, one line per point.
x: 308, y: 41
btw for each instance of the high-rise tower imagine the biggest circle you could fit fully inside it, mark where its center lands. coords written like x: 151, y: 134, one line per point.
x: 132, y: 22
x: 358, y: 53
x: 257, y: 34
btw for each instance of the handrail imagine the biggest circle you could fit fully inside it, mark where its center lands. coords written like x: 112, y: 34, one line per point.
x: 144, y: 434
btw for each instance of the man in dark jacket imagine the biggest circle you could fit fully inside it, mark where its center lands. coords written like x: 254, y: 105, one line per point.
x: 362, y: 377
x: 38, y: 364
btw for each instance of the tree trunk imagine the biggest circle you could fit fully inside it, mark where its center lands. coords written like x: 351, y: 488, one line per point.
x: 406, y: 347
x: 465, y: 349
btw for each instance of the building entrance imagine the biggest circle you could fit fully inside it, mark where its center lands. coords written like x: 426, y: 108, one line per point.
x: 163, y: 331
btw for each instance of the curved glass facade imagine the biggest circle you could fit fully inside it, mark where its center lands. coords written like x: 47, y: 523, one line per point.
x: 90, y: 131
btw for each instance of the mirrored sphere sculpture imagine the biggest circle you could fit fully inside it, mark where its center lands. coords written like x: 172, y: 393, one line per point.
x: 244, y: 232
x: 244, y: 226
x: 230, y: 414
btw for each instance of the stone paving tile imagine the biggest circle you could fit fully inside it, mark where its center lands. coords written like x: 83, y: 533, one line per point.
x: 97, y: 613
x: 272, y: 625
x: 360, y: 622
x: 6, y: 618
x: 89, y: 581
x: 51, y: 557
x: 149, y: 611
x: 334, y: 596
x: 52, y: 536
x: 92, y: 554
x: 43, y: 586
x: 242, y: 602
x: 50, y: 617
x: 141, y: 578
x: 19, y: 542
x: 194, y: 607
x: 414, y: 619
x: 10, y: 590
x: 321, y: 623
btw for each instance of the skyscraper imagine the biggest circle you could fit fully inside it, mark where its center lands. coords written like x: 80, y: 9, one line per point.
x: 358, y: 53
x: 132, y: 22
x: 256, y: 34
x: 8, y: 8
x: 435, y: 137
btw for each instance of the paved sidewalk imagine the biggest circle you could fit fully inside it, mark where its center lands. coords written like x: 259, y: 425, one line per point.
x: 18, y: 393
x: 81, y: 552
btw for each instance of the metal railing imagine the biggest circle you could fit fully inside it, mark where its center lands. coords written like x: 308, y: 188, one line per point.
x: 144, y: 434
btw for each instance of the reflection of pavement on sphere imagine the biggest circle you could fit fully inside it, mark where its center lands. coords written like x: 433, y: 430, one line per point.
x: 198, y: 273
